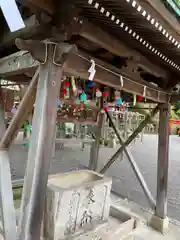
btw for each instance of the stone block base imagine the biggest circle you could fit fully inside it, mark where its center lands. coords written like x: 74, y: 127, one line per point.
x: 159, y: 224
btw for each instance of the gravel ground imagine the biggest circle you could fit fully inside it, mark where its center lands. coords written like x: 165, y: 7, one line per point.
x: 124, y: 181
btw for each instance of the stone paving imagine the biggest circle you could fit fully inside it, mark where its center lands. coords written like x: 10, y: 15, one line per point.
x: 124, y: 181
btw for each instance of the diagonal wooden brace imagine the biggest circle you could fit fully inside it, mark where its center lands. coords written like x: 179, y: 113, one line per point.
x: 130, y: 139
x: 25, y: 107
x: 134, y: 166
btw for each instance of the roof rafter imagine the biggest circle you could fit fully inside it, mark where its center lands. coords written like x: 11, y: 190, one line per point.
x: 113, y: 45
x: 42, y: 5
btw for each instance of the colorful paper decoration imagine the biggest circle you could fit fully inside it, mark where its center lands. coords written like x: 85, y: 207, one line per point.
x: 64, y: 91
x: 105, y: 94
x: 139, y: 98
x: 83, y: 96
x: 90, y: 84
x: 13, y: 110
x: 111, y: 109
x: 66, y: 83
x: 98, y: 93
x: 118, y: 101
x: 59, y: 102
x: 105, y: 107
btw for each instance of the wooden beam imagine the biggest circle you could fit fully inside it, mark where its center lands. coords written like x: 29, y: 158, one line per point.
x: 33, y: 27
x: 41, y: 5
x: 129, y: 71
x: 113, y: 45
x: 78, y: 65
x: 16, y: 64
x: 19, y: 79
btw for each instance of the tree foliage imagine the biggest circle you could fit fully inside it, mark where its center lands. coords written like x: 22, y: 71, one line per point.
x: 175, y: 111
x: 177, y: 2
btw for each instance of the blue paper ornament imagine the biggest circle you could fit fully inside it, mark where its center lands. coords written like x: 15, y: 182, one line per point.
x: 90, y: 83
x: 119, y: 101
x: 59, y: 102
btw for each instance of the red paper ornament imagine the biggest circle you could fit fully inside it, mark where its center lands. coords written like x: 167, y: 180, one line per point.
x: 66, y: 83
x: 105, y: 94
x: 64, y: 91
x: 139, y: 98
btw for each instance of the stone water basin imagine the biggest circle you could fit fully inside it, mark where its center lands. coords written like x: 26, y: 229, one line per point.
x: 76, y: 202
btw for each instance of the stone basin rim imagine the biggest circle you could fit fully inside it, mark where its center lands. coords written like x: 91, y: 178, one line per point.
x: 90, y: 183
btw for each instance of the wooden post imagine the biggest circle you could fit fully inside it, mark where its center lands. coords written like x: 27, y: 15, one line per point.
x: 94, y: 151
x: 163, y: 160
x: 160, y: 221
x: 40, y: 151
x: 6, y: 195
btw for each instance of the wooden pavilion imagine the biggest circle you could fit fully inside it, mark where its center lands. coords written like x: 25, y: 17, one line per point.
x: 134, y: 46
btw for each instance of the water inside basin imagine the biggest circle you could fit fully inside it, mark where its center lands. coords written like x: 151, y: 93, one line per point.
x: 74, y: 179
